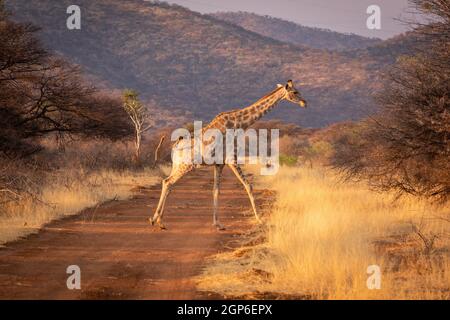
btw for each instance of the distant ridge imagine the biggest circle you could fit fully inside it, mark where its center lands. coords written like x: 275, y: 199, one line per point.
x: 294, y: 33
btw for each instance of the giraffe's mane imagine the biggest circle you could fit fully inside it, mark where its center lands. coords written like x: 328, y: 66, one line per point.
x: 254, y: 103
x: 264, y: 97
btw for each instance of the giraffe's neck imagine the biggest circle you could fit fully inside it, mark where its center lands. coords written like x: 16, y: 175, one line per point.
x: 249, y: 115
x: 244, y: 118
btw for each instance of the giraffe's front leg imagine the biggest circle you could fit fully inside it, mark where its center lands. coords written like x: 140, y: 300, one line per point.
x: 248, y: 187
x: 216, y: 190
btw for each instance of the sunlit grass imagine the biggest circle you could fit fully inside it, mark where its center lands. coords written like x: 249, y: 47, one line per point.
x: 68, y: 192
x: 322, y: 235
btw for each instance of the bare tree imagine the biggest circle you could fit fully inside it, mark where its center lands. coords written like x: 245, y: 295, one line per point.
x: 139, y: 117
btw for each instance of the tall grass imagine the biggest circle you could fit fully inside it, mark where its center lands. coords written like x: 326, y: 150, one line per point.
x: 67, y: 192
x: 321, y: 236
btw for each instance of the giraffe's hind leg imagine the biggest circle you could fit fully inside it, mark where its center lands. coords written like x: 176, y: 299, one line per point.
x: 159, y: 209
x: 248, y: 187
x: 216, y: 190
x: 176, y: 174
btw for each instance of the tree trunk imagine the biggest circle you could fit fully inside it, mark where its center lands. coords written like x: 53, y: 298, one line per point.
x: 137, y: 154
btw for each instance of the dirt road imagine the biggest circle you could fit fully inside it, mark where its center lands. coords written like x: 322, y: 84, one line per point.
x: 119, y: 254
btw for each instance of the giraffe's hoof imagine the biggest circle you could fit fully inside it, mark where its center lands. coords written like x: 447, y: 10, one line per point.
x: 219, y: 227
x: 161, y: 226
x: 158, y: 223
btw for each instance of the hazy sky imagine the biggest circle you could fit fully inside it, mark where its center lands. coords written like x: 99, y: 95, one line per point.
x: 340, y: 15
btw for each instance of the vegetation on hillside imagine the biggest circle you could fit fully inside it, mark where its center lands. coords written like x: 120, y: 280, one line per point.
x: 197, y: 65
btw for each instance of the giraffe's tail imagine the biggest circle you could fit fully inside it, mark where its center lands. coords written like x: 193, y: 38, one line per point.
x: 158, y: 147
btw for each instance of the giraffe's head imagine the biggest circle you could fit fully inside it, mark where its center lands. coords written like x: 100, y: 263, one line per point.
x: 293, y: 95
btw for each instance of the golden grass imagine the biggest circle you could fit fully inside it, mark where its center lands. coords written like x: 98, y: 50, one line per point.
x: 68, y: 192
x: 322, y: 235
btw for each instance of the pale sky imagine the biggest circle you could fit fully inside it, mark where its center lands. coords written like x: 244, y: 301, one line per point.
x: 348, y: 16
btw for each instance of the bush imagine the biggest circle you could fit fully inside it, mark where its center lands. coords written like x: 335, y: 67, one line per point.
x: 287, y: 160
x: 406, y: 147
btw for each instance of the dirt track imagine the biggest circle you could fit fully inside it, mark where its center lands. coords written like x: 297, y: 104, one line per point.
x: 120, y: 255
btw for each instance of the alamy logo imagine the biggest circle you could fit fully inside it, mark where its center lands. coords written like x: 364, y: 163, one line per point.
x: 74, y: 280
x: 211, y: 146
x: 373, y: 22
x: 73, y: 22
x: 374, y: 279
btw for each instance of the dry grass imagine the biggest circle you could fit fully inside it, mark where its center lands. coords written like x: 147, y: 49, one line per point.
x: 67, y: 192
x: 323, y: 234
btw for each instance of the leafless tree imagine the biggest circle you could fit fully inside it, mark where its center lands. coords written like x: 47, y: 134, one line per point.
x: 139, y: 116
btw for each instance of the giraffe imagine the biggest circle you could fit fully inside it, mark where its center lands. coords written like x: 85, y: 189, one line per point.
x: 234, y: 119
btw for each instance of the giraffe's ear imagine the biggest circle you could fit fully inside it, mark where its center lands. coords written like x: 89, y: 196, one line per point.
x: 279, y: 85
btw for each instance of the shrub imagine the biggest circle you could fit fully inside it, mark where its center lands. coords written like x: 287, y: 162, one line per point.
x: 288, y: 160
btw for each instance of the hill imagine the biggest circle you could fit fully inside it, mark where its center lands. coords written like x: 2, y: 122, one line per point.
x: 196, y: 65
x: 294, y: 33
